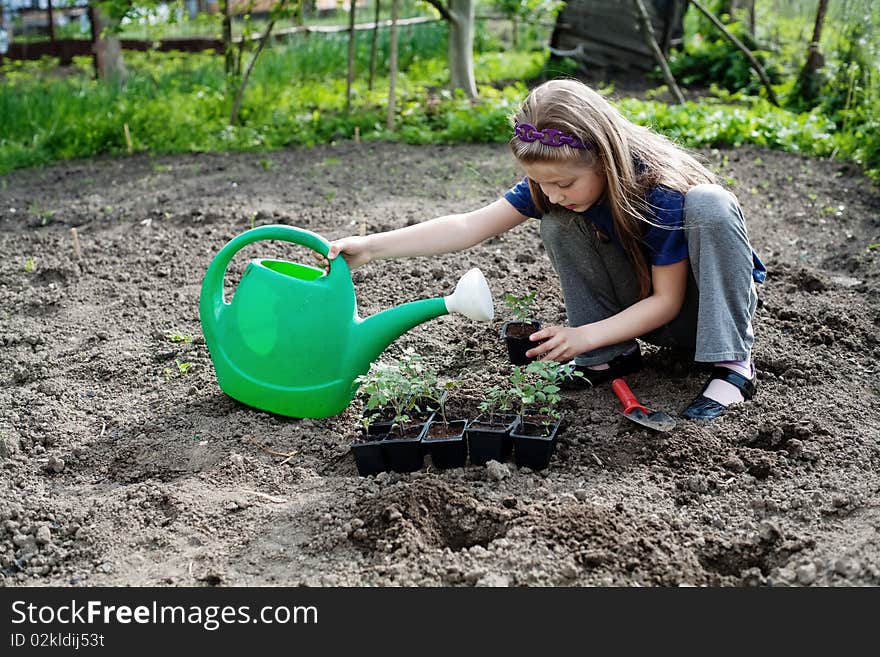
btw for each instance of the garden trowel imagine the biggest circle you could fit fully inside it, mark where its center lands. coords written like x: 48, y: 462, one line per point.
x: 633, y: 410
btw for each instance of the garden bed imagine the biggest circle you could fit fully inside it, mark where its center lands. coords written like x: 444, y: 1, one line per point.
x: 124, y: 464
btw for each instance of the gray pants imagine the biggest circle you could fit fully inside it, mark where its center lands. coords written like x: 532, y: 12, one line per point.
x: 715, y: 322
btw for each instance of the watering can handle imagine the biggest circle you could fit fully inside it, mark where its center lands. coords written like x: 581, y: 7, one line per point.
x: 212, y: 286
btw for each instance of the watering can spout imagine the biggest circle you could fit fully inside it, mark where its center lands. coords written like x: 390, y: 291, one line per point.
x: 470, y: 298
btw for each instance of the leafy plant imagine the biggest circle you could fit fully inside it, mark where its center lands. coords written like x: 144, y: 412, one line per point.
x: 497, y: 400
x: 427, y: 388
x: 393, y: 385
x: 520, y: 306
x: 535, y: 391
x: 177, y: 336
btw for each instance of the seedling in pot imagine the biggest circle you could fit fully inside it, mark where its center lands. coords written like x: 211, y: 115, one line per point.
x: 537, y: 394
x: 389, y: 393
x: 396, y: 387
x: 444, y: 437
x: 497, y: 405
x: 489, y: 434
x: 535, y: 387
x: 368, y: 451
x: 516, y: 332
x: 519, y: 307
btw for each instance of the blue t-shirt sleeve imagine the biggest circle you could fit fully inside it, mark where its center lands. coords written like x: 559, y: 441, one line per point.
x: 664, y: 237
x: 520, y: 197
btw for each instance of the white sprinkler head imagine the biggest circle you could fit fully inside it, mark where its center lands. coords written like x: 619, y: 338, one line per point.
x: 472, y: 297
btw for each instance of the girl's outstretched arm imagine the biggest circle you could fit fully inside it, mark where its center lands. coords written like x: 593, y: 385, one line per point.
x: 563, y: 343
x: 453, y: 232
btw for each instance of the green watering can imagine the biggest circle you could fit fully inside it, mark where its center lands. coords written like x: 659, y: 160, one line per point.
x: 291, y: 342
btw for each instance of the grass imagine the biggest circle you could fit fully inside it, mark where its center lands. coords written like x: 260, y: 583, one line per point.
x: 179, y: 103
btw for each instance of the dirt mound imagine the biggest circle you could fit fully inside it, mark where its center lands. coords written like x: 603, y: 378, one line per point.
x: 124, y: 464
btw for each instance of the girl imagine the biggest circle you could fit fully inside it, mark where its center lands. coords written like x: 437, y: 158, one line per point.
x: 645, y: 244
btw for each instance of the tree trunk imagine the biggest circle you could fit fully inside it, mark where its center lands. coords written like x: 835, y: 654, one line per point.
x: 809, y: 81
x: 264, y: 39
x: 51, y: 25
x: 107, y: 49
x: 461, y: 46
x: 392, y: 65
x: 672, y: 18
x: 751, y: 9
x: 648, y: 31
x: 374, y: 46
x: 754, y: 63
x: 228, y: 54
x: 349, y: 78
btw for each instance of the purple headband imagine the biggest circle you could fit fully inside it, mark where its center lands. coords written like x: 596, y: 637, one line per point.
x: 549, y: 136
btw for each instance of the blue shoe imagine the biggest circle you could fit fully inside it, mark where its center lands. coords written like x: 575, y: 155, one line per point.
x: 703, y: 408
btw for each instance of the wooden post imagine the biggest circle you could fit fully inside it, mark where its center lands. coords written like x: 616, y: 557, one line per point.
x: 648, y: 31
x: 349, y: 79
x: 808, y: 81
x: 51, y: 27
x: 755, y: 64
x: 2, y: 26
x: 392, y: 64
x: 77, y: 249
x: 374, y: 46
x: 94, y: 28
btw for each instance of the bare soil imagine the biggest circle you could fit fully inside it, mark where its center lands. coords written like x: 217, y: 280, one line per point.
x: 124, y: 464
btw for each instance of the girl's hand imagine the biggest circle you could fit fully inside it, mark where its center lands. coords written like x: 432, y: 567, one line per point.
x: 561, y: 343
x: 353, y: 249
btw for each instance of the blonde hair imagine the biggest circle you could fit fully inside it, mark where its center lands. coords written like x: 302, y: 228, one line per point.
x: 633, y: 158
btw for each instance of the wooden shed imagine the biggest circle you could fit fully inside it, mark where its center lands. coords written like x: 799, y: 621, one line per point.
x: 604, y: 35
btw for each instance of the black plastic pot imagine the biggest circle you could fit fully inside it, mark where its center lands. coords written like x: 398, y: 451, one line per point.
x: 488, y: 438
x: 534, y: 442
x: 404, y: 453
x: 449, y: 449
x: 369, y: 455
x: 516, y: 337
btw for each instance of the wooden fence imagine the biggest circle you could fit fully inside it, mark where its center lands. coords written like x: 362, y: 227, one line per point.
x: 66, y: 49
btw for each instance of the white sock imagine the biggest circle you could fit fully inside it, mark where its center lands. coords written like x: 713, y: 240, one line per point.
x: 726, y: 393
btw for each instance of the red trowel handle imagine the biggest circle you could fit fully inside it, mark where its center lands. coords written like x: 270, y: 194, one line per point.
x: 626, y: 396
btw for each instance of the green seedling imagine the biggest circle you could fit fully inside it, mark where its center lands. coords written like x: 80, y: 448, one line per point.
x: 534, y: 389
x: 176, y: 336
x: 366, y: 421
x: 266, y: 164
x: 161, y: 168
x: 496, y: 401
x: 519, y: 307
x: 45, y: 216
x: 30, y: 265
x: 386, y: 385
x: 182, y: 368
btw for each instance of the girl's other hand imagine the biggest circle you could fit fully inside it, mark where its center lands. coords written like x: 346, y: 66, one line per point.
x: 561, y: 343
x: 353, y: 249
